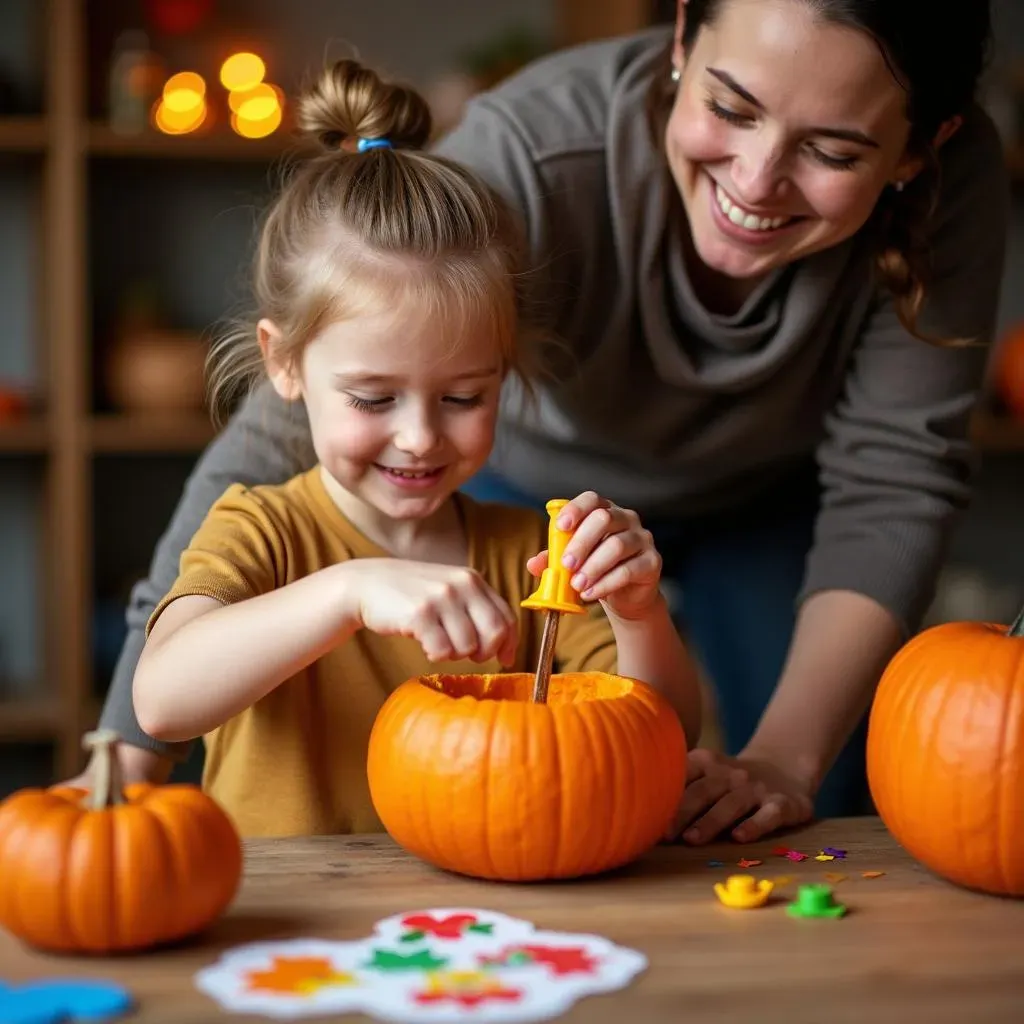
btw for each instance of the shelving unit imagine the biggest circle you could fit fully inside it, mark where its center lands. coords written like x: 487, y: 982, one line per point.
x: 68, y: 436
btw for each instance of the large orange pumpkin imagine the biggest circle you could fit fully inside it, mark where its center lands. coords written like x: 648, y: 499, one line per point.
x: 469, y: 774
x: 945, y: 752
x: 112, y: 870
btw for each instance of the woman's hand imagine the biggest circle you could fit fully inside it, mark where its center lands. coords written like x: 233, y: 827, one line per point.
x: 450, y: 610
x: 611, y: 556
x: 137, y: 765
x: 721, y: 790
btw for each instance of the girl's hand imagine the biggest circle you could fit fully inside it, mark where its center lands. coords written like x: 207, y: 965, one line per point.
x: 611, y: 556
x: 449, y: 609
x: 720, y: 791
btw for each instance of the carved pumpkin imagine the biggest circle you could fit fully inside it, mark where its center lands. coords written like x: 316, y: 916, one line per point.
x: 472, y: 776
x: 945, y: 753
x: 111, y: 871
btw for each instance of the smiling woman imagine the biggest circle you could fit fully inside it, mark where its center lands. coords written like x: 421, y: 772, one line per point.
x: 762, y: 238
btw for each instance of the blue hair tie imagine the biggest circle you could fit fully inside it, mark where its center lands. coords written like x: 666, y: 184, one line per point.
x: 365, y: 144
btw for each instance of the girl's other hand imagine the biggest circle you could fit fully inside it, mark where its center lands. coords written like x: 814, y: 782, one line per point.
x: 450, y: 610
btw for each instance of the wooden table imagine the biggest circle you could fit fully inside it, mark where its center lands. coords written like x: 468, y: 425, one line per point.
x: 912, y: 946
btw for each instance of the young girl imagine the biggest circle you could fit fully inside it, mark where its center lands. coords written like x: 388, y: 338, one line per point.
x: 386, y: 281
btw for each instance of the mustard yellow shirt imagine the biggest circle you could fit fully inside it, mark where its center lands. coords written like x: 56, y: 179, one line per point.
x: 295, y: 762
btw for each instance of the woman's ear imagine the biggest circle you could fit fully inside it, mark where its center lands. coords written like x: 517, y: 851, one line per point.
x: 677, y: 40
x: 911, y: 166
x: 947, y: 130
x: 280, y: 368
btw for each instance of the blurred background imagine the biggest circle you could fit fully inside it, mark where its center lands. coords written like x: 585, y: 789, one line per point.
x: 128, y: 197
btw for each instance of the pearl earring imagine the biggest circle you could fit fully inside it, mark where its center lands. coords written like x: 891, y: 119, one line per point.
x: 900, y: 186
x: 676, y: 74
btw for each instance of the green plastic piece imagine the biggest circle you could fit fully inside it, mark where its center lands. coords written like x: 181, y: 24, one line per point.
x: 815, y: 901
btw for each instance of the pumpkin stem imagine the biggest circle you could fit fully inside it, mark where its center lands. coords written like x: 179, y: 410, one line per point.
x: 104, y: 768
x: 1017, y: 629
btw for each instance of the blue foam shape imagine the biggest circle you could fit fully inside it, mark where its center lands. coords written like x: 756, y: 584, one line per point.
x: 58, y: 1000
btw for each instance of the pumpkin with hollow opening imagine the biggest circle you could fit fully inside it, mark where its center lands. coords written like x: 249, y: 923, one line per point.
x: 114, y: 869
x: 945, y: 752
x: 472, y: 776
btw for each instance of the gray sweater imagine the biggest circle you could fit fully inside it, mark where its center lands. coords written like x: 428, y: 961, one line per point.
x: 666, y: 407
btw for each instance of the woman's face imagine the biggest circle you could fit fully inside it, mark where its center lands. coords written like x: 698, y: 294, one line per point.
x: 784, y: 131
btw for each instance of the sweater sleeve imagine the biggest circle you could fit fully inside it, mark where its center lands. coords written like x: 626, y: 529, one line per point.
x: 237, y: 553
x: 896, y: 461
x: 266, y: 442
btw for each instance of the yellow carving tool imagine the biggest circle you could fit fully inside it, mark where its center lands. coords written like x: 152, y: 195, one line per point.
x: 554, y: 594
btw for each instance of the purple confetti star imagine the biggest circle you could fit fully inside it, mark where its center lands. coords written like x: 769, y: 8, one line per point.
x: 833, y: 852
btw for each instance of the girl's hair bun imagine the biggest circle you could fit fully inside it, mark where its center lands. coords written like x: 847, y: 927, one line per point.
x: 350, y: 102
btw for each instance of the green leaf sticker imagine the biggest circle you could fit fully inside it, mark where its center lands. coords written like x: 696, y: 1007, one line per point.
x: 481, y: 929
x: 424, y: 960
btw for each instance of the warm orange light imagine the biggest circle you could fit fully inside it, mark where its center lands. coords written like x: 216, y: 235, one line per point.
x: 242, y: 71
x: 188, y: 82
x: 256, y: 103
x: 253, y: 129
x: 178, y: 122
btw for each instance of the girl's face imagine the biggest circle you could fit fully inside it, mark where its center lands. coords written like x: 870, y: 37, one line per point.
x: 401, y: 412
x: 784, y: 132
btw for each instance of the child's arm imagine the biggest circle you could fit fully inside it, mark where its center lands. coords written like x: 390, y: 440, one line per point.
x: 205, y: 661
x: 613, y: 560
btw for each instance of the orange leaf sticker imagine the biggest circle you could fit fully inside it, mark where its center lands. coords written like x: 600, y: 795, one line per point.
x: 872, y: 874
x: 301, y: 975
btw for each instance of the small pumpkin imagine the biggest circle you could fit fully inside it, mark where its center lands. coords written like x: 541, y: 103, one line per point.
x: 111, y: 870
x: 471, y: 775
x: 1009, y: 371
x: 945, y: 752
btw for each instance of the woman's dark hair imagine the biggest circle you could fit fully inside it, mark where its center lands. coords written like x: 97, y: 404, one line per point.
x: 937, y: 54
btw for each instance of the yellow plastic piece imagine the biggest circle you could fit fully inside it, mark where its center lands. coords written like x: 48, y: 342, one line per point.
x: 744, y: 891
x: 555, y: 592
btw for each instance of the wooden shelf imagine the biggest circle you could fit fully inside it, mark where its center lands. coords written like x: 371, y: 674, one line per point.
x: 23, y: 135
x: 993, y: 433
x: 30, y: 718
x: 181, y: 433
x: 222, y: 144
x: 25, y: 436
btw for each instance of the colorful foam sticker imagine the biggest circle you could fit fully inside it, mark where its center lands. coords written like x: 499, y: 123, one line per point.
x: 438, y: 965
x: 60, y: 1000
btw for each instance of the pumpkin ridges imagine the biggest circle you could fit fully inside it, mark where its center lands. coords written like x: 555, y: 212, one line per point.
x: 90, y: 870
x: 647, y: 738
x: 13, y: 829
x: 671, y: 747
x: 17, y: 838
x: 1008, y: 796
x: 601, y: 722
x: 598, y: 753
x: 41, y: 883
x: 139, y: 877
x: 425, y: 813
x: 206, y: 854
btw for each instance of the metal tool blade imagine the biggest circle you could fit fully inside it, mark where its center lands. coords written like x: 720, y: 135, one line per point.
x: 547, y: 654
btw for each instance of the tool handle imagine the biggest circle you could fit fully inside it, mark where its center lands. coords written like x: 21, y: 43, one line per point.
x: 555, y: 592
